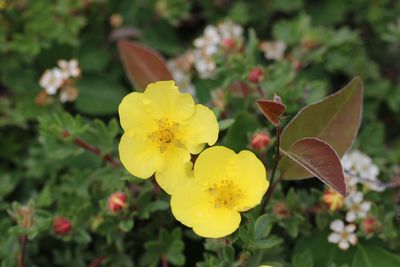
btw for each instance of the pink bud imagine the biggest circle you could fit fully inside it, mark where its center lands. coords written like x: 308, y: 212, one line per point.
x: 256, y: 75
x: 370, y: 225
x: 116, y: 202
x: 260, y: 141
x: 228, y: 43
x: 61, y: 225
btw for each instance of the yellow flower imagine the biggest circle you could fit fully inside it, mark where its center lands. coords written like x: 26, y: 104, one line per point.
x: 162, y: 127
x: 223, y: 184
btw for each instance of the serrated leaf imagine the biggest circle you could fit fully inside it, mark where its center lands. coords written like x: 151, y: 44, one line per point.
x: 319, y: 158
x: 143, y: 65
x: 334, y: 120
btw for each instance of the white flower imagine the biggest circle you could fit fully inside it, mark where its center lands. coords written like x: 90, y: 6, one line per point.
x: 180, y: 70
x: 228, y: 29
x: 69, y: 68
x: 204, y: 64
x: 363, y: 170
x: 51, y: 80
x: 273, y: 50
x: 357, y: 208
x: 211, y: 42
x: 342, y: 235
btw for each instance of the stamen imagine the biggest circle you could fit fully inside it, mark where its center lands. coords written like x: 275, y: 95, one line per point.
x: 164, y: 135
x: 226, y: 194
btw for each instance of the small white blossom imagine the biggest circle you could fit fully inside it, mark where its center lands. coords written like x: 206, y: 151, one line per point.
x: 211, y: 42
x: 52, y: 80
x: 343, y: 235
x: 181, y: 71
x: 69, y: 68
x: 357, y: 208
x: 273, y: 50
x: 362, y: 170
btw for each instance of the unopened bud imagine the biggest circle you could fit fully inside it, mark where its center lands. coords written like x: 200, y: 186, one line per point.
x: 61, y: 225
x: 228, y: 43
x: 116, y: 202
x: 256, y: 75
x: 260, y: 141
x: 370, y: 225
x: 281, y: 210
x: 116, y: 20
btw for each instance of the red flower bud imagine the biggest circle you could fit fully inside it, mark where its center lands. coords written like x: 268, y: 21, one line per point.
x: 260, y: 141
x: 228, y: 43
x: 116, y: 202
x: 370, y: 225
x: 281, y: 210
x: 61, y: 225
x: 256, y: 75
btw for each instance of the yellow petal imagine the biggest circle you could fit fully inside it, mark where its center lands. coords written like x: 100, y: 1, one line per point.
x: 192, y: 205
x: 163, y: 100
x: 199, y: 129
x: 210, y: 166
x: 176, y: 168
x: 132, y: 114
x: 249, y: 174
x: 139, y: 155
x: 216, y: 223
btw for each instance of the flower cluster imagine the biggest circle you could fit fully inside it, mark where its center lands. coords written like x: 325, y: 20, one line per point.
x: 60, y: 79
x: 181, y: 70
x: 359, y: 170
x: 226, y: 35
x: 163, y: 127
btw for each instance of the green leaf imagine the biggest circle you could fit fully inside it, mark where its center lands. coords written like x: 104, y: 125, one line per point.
x: 142, y: 64
x: 98, y: 95
x: 320, y: 160
x: 268, y: 243
x: 236, y: 137
x: 303, y: 259
x: 334, y: 120
x: 371, y: 256
x: 225, y: 124
x: 263, y: 226
x: 126, y: 225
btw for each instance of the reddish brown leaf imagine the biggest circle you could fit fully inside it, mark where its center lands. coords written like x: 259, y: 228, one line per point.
x: 320, y: 159
x: 335, y: 119
x: 273, y: 110
x: 143, y: 65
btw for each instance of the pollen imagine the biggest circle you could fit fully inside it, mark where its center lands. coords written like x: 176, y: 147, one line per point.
x: 165, y: 134
x: 226, y: 194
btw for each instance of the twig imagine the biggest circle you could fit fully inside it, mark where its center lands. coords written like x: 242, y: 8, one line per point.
x: 97, y: 262
x: 277, y: 158
x: 88, y: 147
x: 24, y: 246
x: 164, y: 261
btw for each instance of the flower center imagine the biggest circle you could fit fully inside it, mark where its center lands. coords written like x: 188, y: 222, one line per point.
x: 226, y: 194
x: 344, y: 235
x: 164, y: 135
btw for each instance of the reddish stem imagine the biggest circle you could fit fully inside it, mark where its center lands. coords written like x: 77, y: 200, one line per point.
x: 88, y: 147
x: 97, y: 262
x: 24, y: 247
x: 164, y: 261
